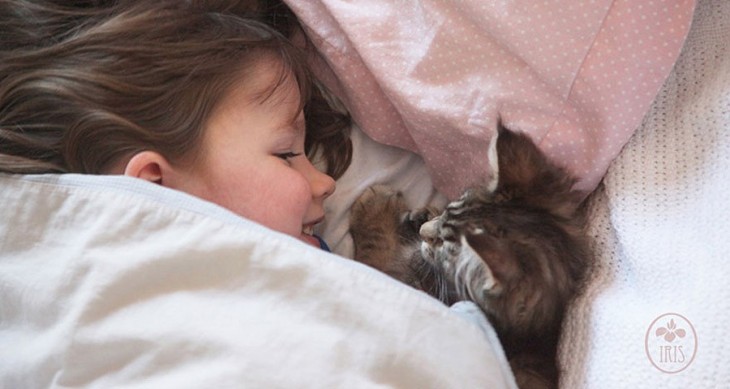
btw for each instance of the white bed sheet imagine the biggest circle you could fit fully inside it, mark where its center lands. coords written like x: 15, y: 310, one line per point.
x: 660, y: 229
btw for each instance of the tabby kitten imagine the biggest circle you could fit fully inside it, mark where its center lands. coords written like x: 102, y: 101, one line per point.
x: 515, y: 246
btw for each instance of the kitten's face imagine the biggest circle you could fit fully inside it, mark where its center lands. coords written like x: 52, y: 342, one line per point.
x: 445, y: 245
x: 510, y: 259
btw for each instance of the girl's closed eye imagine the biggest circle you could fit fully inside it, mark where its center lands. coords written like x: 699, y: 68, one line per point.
x: 287, y: 155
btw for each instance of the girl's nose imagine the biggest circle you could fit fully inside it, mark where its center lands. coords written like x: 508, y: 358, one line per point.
x: 322, y: 184
x: 328, y: 186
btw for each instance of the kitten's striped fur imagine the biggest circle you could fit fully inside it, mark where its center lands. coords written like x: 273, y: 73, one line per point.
x: 514, y: 245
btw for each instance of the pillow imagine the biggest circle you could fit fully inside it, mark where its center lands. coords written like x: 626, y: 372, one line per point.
x: 434, y: 76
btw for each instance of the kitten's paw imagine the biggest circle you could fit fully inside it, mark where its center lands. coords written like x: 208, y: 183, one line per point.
x: 374, y: 221
x: 378, y: 201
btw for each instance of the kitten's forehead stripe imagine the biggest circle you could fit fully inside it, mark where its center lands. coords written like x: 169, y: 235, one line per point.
x: 456, y: 211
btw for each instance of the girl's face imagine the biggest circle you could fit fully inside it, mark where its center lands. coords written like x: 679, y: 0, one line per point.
x: 253, y: 160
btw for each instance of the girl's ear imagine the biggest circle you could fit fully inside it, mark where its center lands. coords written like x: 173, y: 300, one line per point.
x: 150, y: 166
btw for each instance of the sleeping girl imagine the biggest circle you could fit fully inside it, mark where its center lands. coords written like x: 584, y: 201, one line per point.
x: 199, y: 100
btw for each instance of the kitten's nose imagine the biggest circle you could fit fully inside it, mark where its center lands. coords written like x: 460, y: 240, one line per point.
x: 428, y: 231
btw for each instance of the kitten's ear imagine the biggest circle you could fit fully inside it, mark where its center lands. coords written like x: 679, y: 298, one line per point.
x: 498, y: 257
x: 493, y: 158
x: 520, y: 161
x: 525, y: 172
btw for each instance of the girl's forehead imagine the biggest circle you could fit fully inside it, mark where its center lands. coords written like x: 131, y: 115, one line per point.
x: 268, y: 74
x: 266, y: 85
x: 269, y: 84
x: 283, y: 99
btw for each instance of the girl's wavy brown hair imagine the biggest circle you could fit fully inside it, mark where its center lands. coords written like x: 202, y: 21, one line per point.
x: 87, y: 84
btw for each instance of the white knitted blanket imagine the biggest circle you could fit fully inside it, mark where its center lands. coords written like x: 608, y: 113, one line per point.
x: 661, y: 235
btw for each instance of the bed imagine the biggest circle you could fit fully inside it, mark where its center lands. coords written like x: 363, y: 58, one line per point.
x: 113, y: 282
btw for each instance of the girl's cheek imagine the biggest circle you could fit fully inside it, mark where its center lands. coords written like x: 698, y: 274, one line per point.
x: 303, y: 190
x: 288, y: 177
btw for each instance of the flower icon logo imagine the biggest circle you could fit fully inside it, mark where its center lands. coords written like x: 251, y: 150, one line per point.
x: 670, y: 332
x: 671, y: 343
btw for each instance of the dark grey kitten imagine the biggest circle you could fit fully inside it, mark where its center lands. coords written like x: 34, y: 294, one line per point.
x: 515, y: 246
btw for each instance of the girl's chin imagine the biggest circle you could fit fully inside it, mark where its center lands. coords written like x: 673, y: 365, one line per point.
x: 310, y: 239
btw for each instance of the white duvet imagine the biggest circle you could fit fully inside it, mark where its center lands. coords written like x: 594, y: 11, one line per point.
x: 112, y: 282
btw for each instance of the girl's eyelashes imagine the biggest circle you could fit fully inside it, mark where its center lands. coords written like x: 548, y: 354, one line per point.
x: 288, y: 155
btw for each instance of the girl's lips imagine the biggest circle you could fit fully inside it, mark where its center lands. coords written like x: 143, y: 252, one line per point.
x: 308, y: 234
x: 310, y: 239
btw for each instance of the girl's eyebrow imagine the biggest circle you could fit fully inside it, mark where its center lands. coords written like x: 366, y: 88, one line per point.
x: 293, y: 126
x: 299, y: 120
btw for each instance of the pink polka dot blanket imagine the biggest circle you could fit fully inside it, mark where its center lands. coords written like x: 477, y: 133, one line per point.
x: 434, y: 76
